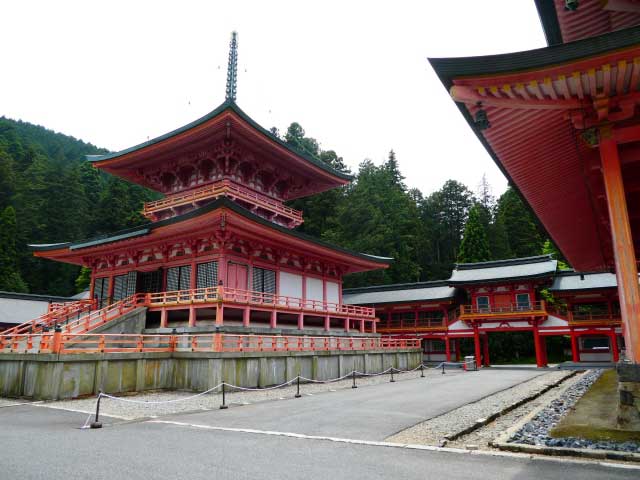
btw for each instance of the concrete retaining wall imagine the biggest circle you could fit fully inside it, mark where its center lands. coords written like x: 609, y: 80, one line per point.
x: 53, y: 377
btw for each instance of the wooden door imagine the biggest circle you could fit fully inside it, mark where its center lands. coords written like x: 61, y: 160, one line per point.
x: 502, y: 302
x: 237, y: 275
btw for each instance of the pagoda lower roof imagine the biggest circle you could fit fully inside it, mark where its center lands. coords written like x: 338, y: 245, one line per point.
x: 501, y: 271
x: 224, y: 122
x: 535, y: 102
x: 199, y: 219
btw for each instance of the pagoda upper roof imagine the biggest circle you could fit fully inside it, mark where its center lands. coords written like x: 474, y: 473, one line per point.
x: 589, y: 18
x: 538, y: 103
x: 73, y: 252
x: 497, y: 271
x: 226, y: 121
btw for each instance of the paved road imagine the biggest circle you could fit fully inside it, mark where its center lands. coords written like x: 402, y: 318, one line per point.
x: 39, y: 443
x: 368, y: 413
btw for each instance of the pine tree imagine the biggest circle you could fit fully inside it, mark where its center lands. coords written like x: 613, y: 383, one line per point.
x: 474, y: 246
x: 522, y: 228
x: 10, y: 279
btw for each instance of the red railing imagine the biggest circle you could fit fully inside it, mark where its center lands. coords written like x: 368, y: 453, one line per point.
x: 230, y: 189
x: 585, y: 318
x: 59, y: 314
x: 65, y: 343
x: 512, y: 308
x: 81, y: 318
x: 248, y: 297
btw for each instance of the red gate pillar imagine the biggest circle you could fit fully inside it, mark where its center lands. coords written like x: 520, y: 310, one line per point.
x: 163, y: 318
x: 457, y: 347
x: 575, y: 354
x: 614, y: 345
x: 192, y: 316
x: 301, y: 321
x: 476, y: 341
x: 485, y: 350
x: 623, y: 248
x: 447, y: 349
x: 538, y: 346
x: 246, y: 317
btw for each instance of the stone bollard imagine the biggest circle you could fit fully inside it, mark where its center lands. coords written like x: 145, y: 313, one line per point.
x: 629, y: 391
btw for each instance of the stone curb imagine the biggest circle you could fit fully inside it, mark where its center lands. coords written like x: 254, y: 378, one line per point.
x: 485, y: 421
x: 501, y: 443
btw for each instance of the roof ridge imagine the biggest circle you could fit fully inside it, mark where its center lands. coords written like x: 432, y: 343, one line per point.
x: 505, y: 262
x: 397, y: 286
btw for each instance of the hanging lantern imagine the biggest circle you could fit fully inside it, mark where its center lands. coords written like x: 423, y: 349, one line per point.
x: 481, y: 120
x: 571, y: 5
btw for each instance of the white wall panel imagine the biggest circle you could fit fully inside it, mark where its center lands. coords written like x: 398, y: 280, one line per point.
x: 290, y: 285
x: 333, y: 292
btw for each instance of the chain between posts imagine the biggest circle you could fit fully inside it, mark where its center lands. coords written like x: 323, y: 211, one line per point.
x: 97, y: 424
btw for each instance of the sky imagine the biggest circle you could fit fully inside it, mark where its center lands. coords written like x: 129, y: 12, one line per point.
x: 353, y: 73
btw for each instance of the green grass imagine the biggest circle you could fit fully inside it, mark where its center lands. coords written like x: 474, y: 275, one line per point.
x: 593, y: 417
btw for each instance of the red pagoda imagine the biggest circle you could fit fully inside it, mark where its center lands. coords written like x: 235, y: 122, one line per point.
x: 221, y: 249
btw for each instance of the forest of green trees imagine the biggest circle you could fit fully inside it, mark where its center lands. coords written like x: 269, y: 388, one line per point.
x: 49, y: 193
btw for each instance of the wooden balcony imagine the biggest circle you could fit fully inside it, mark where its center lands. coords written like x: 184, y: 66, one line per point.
x: 173, y: 204
x: 503, y: 312
x: 587, y: 319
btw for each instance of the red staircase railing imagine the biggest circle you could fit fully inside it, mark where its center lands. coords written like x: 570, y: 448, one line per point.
x: 58, y: 313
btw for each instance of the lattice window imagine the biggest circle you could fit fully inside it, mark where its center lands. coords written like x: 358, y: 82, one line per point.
x: 179, y: 278
x: 264, y: 281
x: 430, y: 318
x: 207, y: 275
x: 101, y: 290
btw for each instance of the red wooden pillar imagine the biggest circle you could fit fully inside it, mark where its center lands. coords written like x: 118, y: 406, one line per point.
x: 457, y: 348
x: 246, y: 317
x: 327, y: 323
x: 163, y: 318
x: 362, y: 326
x: 92, y: 284
x: 485, y: 350
x: 447, y: 349
x: 192, y: 316
x: 476, y: 341
x: 538, y: 346
x: 373, y: 326
x: 623, y: 248
x: 614, y: 345
x: 273, y: 323
x: 575, y: 353
x: 301, y: 321
x: 347, y: 325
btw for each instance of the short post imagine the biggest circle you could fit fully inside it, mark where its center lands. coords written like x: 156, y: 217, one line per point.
x: 392, y: 380
x: 443, y: 368
x: 421, y: 370
x: 96, y: 421
x: 353, y: 375
x: 224, y: 401
x: 57, y: 339
x: 297, y: 395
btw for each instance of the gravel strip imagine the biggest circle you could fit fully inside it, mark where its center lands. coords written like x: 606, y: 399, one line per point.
x: 433, y: 431
x: 10, y: 402
x: 536, y: 431
x: 483, y: 437
x: 131, y: 411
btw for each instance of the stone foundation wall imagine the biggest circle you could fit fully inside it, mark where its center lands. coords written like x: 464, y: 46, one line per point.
x: 629, y: 390
x: 54, y: 377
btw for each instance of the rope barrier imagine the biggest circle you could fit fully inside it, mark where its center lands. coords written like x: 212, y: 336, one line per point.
x: 353, y: 374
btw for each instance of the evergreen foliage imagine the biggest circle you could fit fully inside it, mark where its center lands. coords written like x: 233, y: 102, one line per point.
x: 49, y: 193
x: 474, y: 246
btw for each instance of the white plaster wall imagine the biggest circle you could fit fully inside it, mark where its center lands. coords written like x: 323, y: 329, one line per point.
x: 333, y: 293
x: 290, y: 286
x: 14, y: 310
x: 314, y: 291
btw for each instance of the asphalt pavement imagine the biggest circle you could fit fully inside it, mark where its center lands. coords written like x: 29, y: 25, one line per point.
x: 42, y: 443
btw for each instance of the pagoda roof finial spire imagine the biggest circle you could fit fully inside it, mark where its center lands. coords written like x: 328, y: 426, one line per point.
x: 232, y: 69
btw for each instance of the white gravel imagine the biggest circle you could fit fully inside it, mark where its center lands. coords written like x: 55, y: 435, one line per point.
x: 485, y: 435
x: 180, y: 401
x: 433, y: 431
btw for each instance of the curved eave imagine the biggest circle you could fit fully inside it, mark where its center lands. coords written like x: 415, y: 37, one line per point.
x: 121, y: 156
x: 67, y: 251
x: 493, y: 281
